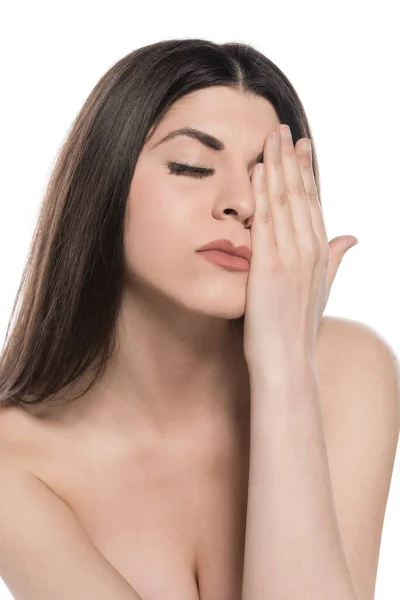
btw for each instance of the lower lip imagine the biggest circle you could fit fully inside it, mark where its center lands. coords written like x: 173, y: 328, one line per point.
x: 236, y: 263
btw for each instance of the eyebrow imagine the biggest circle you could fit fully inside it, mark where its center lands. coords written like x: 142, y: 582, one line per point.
x: 207, y: 140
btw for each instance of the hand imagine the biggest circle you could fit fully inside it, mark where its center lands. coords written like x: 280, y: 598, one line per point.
x: 292, y: 265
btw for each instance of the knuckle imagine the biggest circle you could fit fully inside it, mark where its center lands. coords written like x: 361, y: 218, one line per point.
x: 281, y: 199
x: 275, y: 160
x: 293, y: 263
x: 264, y: 216
x: 291, y: 258
x: 313, y: 197
x: 297, y: 190
x: 312, y: 249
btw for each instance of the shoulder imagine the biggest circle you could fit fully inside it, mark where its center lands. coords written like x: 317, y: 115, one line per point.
x: 23, y: 441
x: 359, y: 386
x: 342, y: 342
x: 360, y: 403
x: 356, y: 364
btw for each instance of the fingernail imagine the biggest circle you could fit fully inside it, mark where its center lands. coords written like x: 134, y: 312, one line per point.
x: 261, y: 170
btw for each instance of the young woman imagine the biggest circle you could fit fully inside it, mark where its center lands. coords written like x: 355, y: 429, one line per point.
x: 165, y: 406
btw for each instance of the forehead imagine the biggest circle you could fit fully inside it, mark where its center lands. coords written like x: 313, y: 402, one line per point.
x: 223, y: 112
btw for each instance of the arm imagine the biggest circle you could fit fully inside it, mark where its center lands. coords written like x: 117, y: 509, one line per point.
x: 293, y: 547
x: 44, y: 551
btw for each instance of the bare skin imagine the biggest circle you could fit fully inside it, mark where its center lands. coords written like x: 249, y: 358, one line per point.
x: 169, y: 511
x: 154, y: 459
x: 166, y: 507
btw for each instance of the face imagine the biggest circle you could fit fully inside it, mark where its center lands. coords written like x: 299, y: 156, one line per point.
x: 169, y: 215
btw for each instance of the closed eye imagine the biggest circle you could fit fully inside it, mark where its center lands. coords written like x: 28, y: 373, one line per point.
x: 188, y: 170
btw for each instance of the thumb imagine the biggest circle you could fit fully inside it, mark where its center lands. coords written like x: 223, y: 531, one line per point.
x: 338, y: 248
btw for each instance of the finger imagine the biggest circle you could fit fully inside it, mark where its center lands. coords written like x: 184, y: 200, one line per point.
x: 278, y: 197
x: 297, y: 195
x: 304, y: 160
x: 263, y: 242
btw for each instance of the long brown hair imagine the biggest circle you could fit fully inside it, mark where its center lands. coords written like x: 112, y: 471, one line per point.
x: 71, y: 288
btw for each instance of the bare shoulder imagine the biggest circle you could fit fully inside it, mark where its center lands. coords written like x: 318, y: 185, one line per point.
x: 24, y: 440
x: 359, y: 380
x: 349, y: 353
x: 338, y: 338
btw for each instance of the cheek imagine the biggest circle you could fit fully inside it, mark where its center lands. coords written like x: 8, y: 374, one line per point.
x: 154, y: 215
x: 160, y: 231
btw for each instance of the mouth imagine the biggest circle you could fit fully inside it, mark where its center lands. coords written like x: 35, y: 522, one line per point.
x: 228, y: 247
x: 225, y: 260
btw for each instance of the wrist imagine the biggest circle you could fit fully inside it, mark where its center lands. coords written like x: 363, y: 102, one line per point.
x: 289, y: 370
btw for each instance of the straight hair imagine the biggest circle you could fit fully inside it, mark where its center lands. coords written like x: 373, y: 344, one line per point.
x: 71, y: 289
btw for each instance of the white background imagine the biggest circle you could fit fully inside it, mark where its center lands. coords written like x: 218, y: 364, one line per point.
x: 339, y: 56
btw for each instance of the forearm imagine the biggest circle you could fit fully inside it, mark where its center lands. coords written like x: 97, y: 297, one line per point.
x: 293, y: 548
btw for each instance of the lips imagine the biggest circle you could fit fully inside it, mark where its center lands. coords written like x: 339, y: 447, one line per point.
x: 228, y: 247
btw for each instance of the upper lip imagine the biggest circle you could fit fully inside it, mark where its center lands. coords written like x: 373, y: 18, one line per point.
x: 228, y: 247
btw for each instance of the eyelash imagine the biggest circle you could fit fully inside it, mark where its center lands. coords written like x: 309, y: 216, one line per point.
x: 176, y: 168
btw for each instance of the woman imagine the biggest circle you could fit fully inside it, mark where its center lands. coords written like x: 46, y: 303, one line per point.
x: 127, y: 382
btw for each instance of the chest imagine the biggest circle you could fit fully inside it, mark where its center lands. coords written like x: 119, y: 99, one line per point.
x: 171, y: 520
